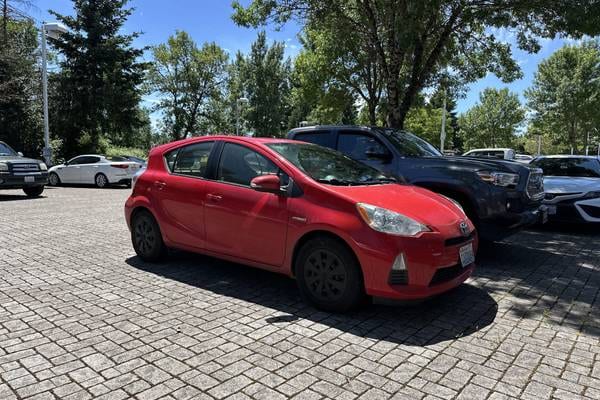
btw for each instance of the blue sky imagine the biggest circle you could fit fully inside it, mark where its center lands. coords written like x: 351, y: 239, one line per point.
x: 210, y: 20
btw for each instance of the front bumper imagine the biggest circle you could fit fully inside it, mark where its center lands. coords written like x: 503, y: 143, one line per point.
x: 506, y: 224
x: 433, y: 266
x: 574, y: 210
x: 20, y: 181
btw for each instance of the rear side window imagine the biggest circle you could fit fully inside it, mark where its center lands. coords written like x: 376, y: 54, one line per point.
x: 170, y: 158
x: 322, y: 138
x: 191, y: 160
x: 116, y: 159
x: 240, y: 165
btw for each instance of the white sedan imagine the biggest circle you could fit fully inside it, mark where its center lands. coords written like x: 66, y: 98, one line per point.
x: 94, y: 169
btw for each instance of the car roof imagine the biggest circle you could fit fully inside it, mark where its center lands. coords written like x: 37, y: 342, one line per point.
x: 232, y: 138
x: 566, y: 156
x: 491, y: 149
x: 324, y: 127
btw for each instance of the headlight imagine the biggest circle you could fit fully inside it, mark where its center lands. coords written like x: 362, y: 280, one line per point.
x: 592, y: 195
x: 386, y: 221
x: 3, y: 166
x: 43, y: 167
x: 499, y: 178
x: 456, y: 203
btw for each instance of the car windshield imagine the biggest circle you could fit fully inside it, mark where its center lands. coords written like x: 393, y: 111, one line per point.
x: 5, y: 150
x: 329, y: 166
x: 576, y: 167
x: 410, y: 145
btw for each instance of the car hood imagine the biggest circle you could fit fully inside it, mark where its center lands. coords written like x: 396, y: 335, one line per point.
x: 475, y: 163
x: 565, y: 184
x: 55, y: 167
x: 18, y: 160
x: 414, y: 202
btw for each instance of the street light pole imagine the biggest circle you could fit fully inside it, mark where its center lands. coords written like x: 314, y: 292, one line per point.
x: 47, y: 150
x: 54, y: 30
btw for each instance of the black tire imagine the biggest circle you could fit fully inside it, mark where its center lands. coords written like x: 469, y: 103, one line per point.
x: 101, y: 181
x: 33, y: 191
x: 146, y: 237
x: 53, y: 179
x: 329, y: 276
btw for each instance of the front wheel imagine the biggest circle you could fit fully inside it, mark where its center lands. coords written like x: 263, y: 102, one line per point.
x: 101, y: 181
x: 146, y: 237
x: 329, y: 276
x: 53, y: 179
x: 33, y: 191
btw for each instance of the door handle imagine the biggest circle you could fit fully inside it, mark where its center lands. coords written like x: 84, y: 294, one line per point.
x: 160, y: 185
x: 214, y: 197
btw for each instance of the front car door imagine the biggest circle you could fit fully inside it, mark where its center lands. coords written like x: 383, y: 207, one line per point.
x: 365, y: 148
x: 240, y: 221
x: 89, y: 167
x: 71, y: 172
x: 180, y: 194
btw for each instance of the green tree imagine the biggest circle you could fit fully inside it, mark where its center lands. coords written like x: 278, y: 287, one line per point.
x: 98, y: 89
x: 494, y: 121
x: 264, y: 79
x: 20, y: 89
x: 565, y: 96
x: 188, y: 80
x: 413, y: 40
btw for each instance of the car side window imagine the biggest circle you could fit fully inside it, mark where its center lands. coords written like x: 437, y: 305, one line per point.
x: 170, y: 158
x: 240, y: 165
x: 322, y: 138
x: 91, y: 160
x: 193, y: 159
x: 358, y: 146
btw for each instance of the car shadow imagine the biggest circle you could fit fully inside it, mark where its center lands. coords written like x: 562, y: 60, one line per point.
x: 18, y: 197
x: 461, y: 312
x: 83, y: 185
x: 552, y: 272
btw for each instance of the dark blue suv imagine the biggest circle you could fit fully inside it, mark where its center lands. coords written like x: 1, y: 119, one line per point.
x: 500, y: 197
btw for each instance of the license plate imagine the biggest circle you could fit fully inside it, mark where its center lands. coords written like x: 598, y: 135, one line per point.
x: 467, y: 255
x: 551, y: 210
x: 30, y: 179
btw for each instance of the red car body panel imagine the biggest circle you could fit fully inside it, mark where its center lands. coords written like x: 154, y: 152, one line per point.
x: 260, y: 229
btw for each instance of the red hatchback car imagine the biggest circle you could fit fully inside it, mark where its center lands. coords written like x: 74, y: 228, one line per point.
x: 341, y: 228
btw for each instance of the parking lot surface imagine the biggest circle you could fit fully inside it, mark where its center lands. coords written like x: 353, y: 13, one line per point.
x: 82, y: 317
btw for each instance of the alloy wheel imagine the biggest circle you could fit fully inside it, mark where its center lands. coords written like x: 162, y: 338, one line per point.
x: 101, y: 181
x: 144, y: 236
x: 325, y: 275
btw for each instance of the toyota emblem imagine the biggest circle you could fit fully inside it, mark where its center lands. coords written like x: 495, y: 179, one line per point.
x: 464, y: 228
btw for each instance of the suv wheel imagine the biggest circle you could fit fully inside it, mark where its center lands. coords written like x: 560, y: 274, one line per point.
x: 329, y: 276
x: 33, y: 191
x: 146, y: 237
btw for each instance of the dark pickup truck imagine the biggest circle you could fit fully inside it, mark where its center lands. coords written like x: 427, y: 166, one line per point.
x: 500, y: 197
x: 18, y: 172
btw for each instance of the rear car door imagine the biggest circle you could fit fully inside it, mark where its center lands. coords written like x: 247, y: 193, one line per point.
x: 180, y: 194
x: 365, y: 148
x: 239, y: 220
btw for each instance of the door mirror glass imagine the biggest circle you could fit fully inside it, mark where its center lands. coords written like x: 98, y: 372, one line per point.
x: 20, y: 154
x: 266, y: 183
x: 377, y: 153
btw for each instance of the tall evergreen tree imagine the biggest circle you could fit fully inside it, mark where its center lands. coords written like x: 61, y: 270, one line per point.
x: 98, y: 89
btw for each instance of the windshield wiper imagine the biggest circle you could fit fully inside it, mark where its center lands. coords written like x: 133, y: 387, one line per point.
x: 339, y: 182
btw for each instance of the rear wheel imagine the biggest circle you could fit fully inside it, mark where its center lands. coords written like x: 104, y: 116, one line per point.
x: 101, y: 181
x: 329, y: 275
x: 33, y: 191
x: 146, y: 237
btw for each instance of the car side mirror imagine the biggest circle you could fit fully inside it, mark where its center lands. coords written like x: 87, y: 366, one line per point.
x: 381, y: 155
x: 20, y: 154
x: 267, y: 184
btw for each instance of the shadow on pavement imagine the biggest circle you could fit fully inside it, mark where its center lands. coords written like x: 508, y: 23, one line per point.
x: 553, y: 273
x: 461, y: 312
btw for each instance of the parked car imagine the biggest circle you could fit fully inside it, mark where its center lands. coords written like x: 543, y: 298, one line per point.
x: 18, y: 172
x: 523, y: 158
x: 342, y: 228
x: 503, y: 154
x: 500, y: 197
x: 572, y: 187
x: 94, y: 169
x: 135, y: 159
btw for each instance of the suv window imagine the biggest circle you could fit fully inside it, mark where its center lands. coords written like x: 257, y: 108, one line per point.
x: 5, y: 150
x: 240, y: 165
x: 322, y: 138
x: 357, y: 145
x: 190, y: 160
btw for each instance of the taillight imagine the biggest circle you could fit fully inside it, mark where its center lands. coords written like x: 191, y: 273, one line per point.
x: 120, y: 166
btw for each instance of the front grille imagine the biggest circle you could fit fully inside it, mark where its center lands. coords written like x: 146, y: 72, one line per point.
x: 446, y: 274
x: 592, y: 211
x: 398, y: 277
x: 459, y: 240
x: 535, y: 184
x: 23, y: 168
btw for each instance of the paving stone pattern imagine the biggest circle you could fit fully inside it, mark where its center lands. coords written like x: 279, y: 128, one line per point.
x: 81, y: 317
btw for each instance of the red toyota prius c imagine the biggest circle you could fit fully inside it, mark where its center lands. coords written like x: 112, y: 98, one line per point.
x: 343, y: 229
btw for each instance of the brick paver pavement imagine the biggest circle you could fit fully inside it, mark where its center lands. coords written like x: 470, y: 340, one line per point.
x: 81, y: 317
